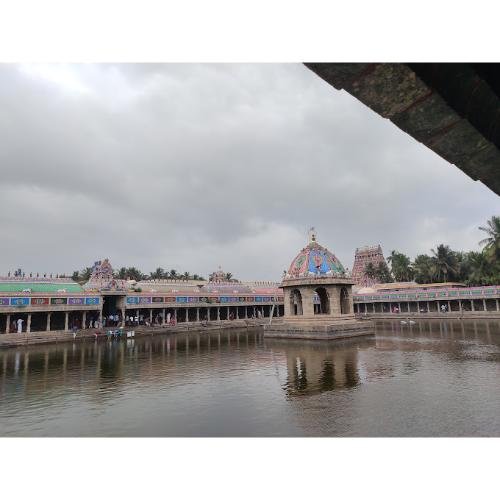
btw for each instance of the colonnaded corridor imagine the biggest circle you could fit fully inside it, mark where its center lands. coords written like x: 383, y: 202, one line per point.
x: 431, y: 378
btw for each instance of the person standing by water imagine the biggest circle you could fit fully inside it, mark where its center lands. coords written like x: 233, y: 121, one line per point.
x: 20, y: 325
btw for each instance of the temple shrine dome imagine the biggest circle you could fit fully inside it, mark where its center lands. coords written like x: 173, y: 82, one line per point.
x: 315, y: 260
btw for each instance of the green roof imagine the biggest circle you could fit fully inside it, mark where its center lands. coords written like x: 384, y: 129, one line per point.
x: 19, y: 286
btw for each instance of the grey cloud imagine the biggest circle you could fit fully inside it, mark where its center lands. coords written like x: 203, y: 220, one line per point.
x: 191, y: 166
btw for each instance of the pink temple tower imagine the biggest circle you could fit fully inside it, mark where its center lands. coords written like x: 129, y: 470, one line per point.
x: 362, y: 257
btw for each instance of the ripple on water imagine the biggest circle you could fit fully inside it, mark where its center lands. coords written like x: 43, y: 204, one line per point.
x: 405, y: 382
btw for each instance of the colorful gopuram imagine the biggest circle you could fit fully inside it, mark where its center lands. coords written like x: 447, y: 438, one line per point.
x: 102, y: 278
x: 362, y: 257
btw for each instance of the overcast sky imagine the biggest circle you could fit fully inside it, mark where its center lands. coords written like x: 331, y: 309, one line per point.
x: 195, y: 166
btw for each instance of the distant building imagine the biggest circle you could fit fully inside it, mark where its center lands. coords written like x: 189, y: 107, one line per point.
x: 364, y: 256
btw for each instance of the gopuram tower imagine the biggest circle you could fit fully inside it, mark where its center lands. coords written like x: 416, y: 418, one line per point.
x: 317, y: 298
x: 364, y: 256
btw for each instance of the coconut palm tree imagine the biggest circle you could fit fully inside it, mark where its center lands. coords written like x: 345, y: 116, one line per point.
x: 370, y: 271
x: 158, y: 274
x: 424, y: 268
x: 446, y: 262
x: 135, y: 274
x: 121, y: 274
x: 85, y: 274
x: 478, y: 269
x: 173, y: 274
x: 492, y: 242
x: 382, y: 273
x: 400, y: 266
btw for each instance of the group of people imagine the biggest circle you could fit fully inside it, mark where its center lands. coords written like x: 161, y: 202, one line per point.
x: 111, y: 320
x: 140, y: 319
x: 114, y: 320
x: 16, y: 325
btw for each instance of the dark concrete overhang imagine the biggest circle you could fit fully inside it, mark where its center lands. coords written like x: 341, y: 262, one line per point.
x: 454, y: 109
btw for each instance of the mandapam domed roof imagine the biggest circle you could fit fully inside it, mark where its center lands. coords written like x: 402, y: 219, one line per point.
x: 315, y: 260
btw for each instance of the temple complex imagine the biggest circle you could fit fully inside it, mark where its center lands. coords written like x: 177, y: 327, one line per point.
x: 30, y: 304
x: 317, y: 298
x: 364, y: 256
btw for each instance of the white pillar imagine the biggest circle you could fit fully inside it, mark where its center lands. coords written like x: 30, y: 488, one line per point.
x: 197, y: 314
x: 460, y: 305
x: 498, y: 309
x: 449, y: 306
x: 187, y: 315
x: 66, y: 321
x: 472, y: 305
x: 48, y: 321
x: 218, y: 314
x: 84, y: 320
x: 484, y: 304
x: 163, y: 317
x: 7, y: 325
x: 28, y: 324
x: 151, y: 316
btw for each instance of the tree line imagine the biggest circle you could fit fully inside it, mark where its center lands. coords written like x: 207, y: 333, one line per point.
x: 133, y: 273
x: 473, y: 268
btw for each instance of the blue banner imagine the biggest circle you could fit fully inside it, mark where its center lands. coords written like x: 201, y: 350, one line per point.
x: 19, y: 301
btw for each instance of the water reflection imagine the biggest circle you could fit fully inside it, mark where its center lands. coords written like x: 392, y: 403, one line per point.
x: 427, y: 378
x: 112, y: 362
x: 314, y: 367
x: 458, y: 339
